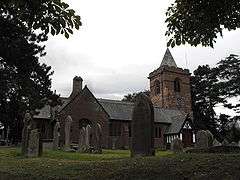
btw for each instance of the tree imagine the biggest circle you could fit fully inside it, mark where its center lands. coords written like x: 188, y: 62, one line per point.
x: 25, y: 83
x: 132, y: 97
x: 212, y: 86
x: 204, y: 98
x: 201, y: 21
x: 229, y: 74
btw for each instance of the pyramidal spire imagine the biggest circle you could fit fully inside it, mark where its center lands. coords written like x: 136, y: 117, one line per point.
x: 168, y: 59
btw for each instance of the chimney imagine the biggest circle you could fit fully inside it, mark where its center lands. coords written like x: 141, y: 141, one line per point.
x: 77, y: 86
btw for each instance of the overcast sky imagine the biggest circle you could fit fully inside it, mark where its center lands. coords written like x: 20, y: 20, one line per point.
x: 119, y: 44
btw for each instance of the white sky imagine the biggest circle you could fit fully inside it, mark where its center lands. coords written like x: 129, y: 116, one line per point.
x: 119, y: 44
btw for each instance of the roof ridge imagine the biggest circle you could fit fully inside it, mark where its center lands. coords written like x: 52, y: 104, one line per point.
x: 115, y: 101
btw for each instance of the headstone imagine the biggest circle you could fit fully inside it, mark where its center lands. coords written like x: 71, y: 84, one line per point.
x: 142, y: 127
x: 177, y: 145
x: 204, y: 139
x: 210, y: 138
x: 114, y: 142
x: 56, y: 134
x: 67, y: 128
x: 125, y: 136
x: 88, y: 134
x: 33, y: 144
x: 98, y: 141
x: 82, y: 140
x: 25, y: 132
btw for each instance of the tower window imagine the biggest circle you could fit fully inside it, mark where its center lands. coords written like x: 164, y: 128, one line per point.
x: 177, y: 85
x: 157, y: 87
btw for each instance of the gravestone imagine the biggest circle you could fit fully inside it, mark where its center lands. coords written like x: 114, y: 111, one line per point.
x: 82, y: 140
x: 142, y: 127
x: 25, y: 132
x: 177, y: 145
x: 67, y: 129
x: 114, y: 142
x: 88, y: 136
x: 98, y: 139
x: 204, y: 139
x: 56, y: 135
x: 33, y: 144
x: 210, y: 138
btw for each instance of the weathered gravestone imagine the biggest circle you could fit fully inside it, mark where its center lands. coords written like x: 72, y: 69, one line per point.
x: 33, y: 144
x: 177, y: 145
x: 97, y: 146
x: 25, y: 132
x: 93, y: 138
x: 67, y: 129
x: 204, y: 139
x: 142, y: 127
x: 82, y: 140
x: 88, y: 136
x: 210, y: 138
x: 56, y: 135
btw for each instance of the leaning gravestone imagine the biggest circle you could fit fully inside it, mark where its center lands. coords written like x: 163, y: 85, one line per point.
x: 177, y: 145
x: 142, y: 127
x: 33, y: 144
x: 56, y: 135
x: 67, y: 129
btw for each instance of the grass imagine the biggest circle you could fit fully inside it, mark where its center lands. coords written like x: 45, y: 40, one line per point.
x: 117, y: 164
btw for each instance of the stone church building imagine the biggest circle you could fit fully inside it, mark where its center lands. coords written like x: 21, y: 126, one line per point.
x: 169, y: 92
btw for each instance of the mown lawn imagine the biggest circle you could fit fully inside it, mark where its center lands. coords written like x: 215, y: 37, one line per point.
x: 117, y: 164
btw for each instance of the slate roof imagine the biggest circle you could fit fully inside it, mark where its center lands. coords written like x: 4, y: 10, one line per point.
x: 168, y: 59
x: 45, y: 112
x: 119, y: 110
x: 177, y: 124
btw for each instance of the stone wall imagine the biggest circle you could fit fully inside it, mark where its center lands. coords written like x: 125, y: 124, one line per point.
x: 84, y: 107
x: 167, y: 97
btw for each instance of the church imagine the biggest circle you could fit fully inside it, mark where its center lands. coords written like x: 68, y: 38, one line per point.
x: 170, y: 94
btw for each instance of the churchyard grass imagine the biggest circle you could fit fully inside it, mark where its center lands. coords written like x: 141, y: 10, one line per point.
x: 117, y: 164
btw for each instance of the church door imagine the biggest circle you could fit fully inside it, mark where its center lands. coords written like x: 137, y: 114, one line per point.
x: 187, y: 137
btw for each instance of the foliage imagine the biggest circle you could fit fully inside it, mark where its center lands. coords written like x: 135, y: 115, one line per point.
x: 132, y: 97
x: 211, y: 87
x: 201, y: 21
x: 204, y: 97
x: 46, y: 16
x: 25, y: 83
x: 229, y: 74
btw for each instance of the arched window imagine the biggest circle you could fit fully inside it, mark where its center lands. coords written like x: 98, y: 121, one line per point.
x: 157, y: 87
x: 177, y: 85
x: 84, y: 122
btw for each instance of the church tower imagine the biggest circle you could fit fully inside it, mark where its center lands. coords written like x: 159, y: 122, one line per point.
x: 170, y: 85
